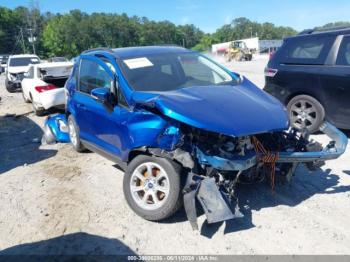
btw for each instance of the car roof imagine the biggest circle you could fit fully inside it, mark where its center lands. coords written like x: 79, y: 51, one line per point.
x: 125, y: 52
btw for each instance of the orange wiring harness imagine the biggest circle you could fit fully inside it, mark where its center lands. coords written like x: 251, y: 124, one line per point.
x: 267, y: 157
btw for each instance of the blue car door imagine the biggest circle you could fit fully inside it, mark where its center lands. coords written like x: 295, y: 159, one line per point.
x: 99, y: 126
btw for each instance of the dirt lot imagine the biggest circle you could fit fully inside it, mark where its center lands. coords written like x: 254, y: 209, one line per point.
x: 56, y: 201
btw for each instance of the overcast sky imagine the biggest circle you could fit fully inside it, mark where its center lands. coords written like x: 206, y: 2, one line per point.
x: 210, y: 14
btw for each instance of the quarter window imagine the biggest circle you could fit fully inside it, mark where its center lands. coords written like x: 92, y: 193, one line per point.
x: 92, y: 76
x: 344, y: 53
x: 308, y: 50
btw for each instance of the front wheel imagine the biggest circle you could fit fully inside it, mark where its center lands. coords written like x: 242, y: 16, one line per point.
x: 73, y: 130
x: 8, y: 87
x: 305, y: 112
x: 152, y: 187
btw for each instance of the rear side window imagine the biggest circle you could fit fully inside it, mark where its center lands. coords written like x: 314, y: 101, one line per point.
x: 92, y: 76
x: 310, y: 50
x: 344, y: 52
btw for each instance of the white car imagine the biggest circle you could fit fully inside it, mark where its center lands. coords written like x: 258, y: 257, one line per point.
x: 43, y: 85
x: 17, y: 65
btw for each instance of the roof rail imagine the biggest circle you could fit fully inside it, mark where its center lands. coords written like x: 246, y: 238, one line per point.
x: 306, y: 32
x: 109, y: 50
x: 332, y: 29
x: 323, y: 30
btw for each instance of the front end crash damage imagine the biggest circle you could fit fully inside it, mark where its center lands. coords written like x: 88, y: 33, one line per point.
x: 229, y: 135
x: 216, y: 163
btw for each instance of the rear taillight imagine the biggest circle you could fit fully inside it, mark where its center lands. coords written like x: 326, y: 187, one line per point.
x: 270, y: 72
x: 45, y: 88
x: 271, y: 54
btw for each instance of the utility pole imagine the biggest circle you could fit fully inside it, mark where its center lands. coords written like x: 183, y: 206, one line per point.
x: 33, y: 6
x: 32, y: 39
x: 22, y: 40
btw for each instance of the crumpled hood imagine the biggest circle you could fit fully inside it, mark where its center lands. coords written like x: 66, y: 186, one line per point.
x: 231, y: 110
x: 17, y: 69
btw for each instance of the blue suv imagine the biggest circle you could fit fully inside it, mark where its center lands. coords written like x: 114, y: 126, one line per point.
x: 182, y: 126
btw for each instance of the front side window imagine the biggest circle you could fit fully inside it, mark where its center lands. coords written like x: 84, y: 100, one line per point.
x: 343, y: 57
x: 92, y: 75
x: 172, y: 71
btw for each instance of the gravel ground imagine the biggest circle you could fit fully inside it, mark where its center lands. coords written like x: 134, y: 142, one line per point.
x: 56, y: 201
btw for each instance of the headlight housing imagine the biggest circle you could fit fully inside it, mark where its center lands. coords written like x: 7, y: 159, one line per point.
x: 12, y: 77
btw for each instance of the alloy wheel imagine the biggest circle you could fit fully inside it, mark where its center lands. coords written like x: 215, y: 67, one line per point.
x: 72, y: 133
x: 149, y: 186
x: 303, y: 114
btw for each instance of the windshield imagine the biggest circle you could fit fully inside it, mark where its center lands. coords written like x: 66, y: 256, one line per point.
x: 167, y: 72
x: 24, y: 61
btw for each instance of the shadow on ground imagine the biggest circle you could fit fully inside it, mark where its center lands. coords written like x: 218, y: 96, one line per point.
x: 258, y: 196
x: 20, y: 139
x: 77, y: 244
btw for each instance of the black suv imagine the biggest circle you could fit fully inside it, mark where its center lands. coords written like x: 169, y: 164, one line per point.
x: 310, y: 74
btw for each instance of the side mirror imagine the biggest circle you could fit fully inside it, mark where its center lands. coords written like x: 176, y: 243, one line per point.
x: 101, y: 94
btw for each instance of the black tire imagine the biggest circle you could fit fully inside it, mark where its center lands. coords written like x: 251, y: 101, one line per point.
x: 173, y: 201
x: 76, y: 145
x: 311, y: 117
x: 8, y: 87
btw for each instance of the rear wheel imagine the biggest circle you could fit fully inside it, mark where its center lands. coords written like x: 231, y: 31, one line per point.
x: 305, y: 112
x: 38, y: 110
x: 26, y: 100
x: 152, y: 187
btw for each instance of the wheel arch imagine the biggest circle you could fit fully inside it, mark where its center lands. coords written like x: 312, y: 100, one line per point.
x: 299, y: 93
x: 136, y: 152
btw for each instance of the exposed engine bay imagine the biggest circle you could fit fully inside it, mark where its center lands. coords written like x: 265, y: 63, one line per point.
x: 219, y: 162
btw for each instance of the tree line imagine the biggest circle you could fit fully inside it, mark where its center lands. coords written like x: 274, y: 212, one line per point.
x: 70, y: 33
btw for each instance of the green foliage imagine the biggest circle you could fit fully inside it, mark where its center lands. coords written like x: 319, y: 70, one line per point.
x: 333, y: 25
x: 205, y: 43
x: 242, y: 27
x: 69, y: 34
